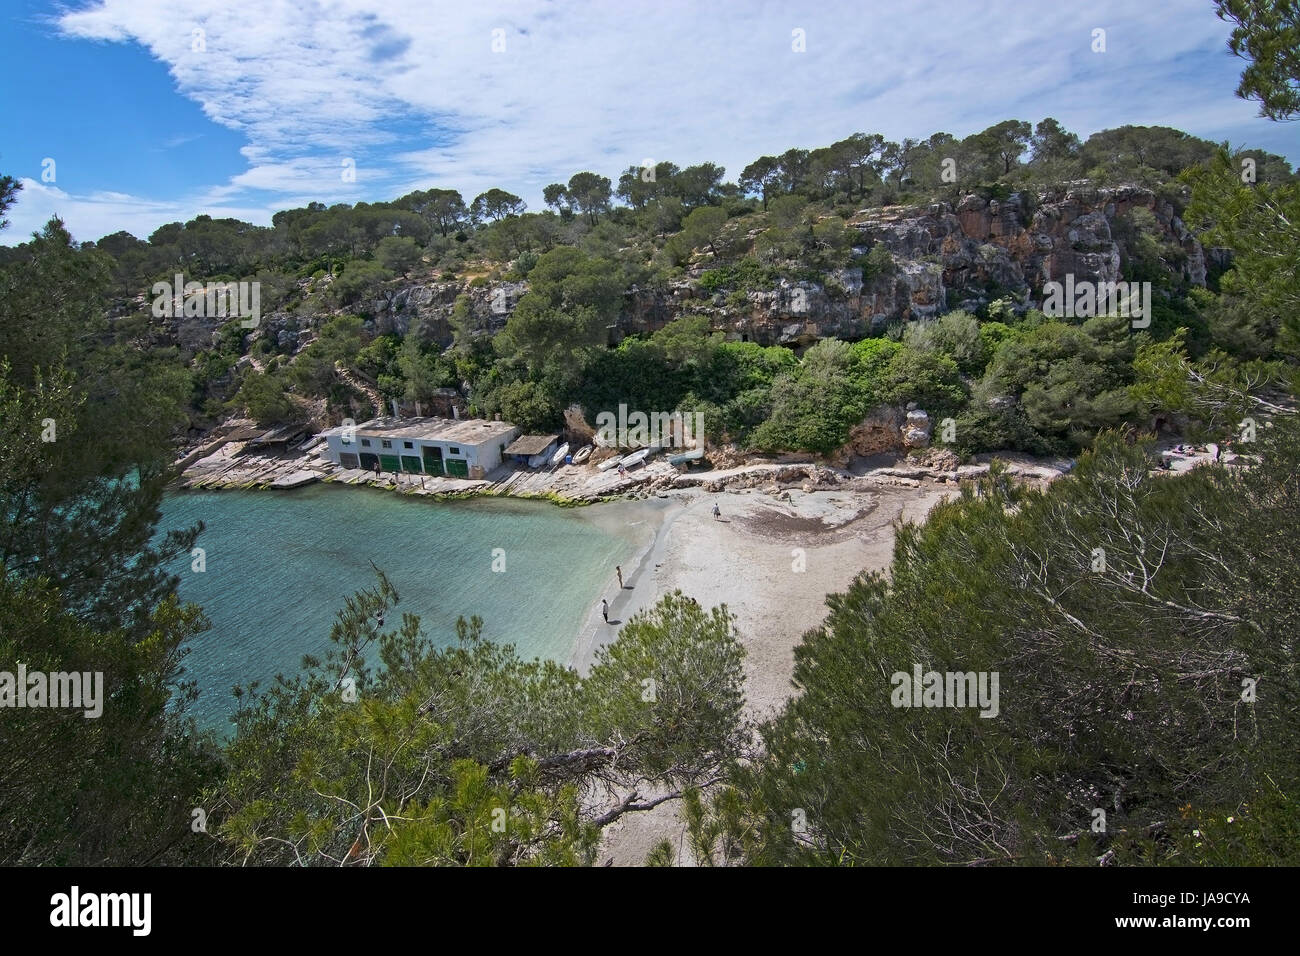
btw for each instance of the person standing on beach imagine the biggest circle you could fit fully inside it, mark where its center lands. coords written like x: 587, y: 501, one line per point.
x: 717, y: 512
x: 604, y: 610
x: 619, y: 571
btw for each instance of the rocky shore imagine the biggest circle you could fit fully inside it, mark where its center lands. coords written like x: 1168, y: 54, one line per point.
x: 241, y: 456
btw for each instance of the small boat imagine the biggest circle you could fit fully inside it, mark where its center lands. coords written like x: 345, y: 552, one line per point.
x: 583, y: 454
x: 609, y: 463
x: 636, y: 458
x: 559, y: 454
x: 695, y: 454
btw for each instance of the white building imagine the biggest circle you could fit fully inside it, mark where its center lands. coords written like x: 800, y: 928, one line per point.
x: 464, y: 448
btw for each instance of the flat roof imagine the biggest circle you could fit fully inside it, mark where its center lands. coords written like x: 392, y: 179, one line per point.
x: 464, y: 431
x: 531, y: 444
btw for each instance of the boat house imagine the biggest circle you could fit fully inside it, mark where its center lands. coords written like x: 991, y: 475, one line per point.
x: 532, y: 450
x: 464, y: 448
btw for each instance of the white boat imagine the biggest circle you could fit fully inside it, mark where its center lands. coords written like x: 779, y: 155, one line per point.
x: 583, y: 454
x: 636, y: 458
x: 609, y: 463
x: 558, y: 457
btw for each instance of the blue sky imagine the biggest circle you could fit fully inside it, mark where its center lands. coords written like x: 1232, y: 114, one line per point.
x: 159, y: 110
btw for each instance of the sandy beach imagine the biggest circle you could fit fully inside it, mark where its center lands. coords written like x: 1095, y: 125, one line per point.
x: 746, y: 559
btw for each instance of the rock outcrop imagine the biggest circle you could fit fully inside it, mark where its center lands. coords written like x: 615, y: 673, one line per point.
x: 944, y: 257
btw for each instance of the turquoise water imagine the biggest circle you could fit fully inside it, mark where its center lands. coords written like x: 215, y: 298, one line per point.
x: 280, y: 564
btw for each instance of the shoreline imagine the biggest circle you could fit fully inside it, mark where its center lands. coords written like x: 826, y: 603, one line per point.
x: 773, y: 560
x: 773, y: 556
x: 748, y: 559
x: 595, y: 633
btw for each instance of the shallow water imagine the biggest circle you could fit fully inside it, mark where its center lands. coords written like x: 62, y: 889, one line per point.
x: 280, y: 564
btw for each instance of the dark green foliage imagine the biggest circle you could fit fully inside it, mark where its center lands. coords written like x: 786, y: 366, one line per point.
x: 115, y: 789
x: 1067, y: 378
x: 1258, y: 221
x: 1120, y: 689
x: 747, y: 275
x: 1267, y: 36
x: 470, y: 735
x: 814, y: 406
x: 87, y: 425
x: 113, y: 415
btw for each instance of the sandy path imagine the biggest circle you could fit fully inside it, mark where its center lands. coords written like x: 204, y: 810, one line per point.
x: 748, y: 560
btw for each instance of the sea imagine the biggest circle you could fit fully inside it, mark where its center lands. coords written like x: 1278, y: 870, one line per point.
x: 277, y: 567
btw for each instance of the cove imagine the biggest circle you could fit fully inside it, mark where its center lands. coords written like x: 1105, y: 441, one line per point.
x: 280, y: 564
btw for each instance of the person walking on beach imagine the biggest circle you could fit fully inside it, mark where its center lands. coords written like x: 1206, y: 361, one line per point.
x: 604, y: 610
x: 717, y: 512
x: 619, y: 571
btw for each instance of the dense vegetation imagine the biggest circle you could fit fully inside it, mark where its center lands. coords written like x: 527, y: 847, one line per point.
x: 1158, y: 685
x: 1160, y: 690
x: 1011, y: 377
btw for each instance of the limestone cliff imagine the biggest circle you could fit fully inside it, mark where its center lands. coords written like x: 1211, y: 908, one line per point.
x: 944, y: 257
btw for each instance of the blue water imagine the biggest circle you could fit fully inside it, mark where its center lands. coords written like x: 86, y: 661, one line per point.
x: 280, y: 564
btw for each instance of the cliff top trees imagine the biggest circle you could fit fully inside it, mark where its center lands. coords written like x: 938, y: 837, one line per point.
x: 397, y: 254
x: 1001, y: 145
x: 443, y: 209
x: 762, y: 177
x: 701, y: 228
x: 853, y: 165
x: 588, y: 193
x: 1051, y: 141
x: 1128, y: 150
x: 496, y: 204
x: 640, y: 185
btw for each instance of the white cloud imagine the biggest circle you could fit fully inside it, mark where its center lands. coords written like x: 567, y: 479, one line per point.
x: 412, y: 90
x: 92, y: 215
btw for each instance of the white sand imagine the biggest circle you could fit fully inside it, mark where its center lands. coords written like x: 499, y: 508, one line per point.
x: 746, y: 560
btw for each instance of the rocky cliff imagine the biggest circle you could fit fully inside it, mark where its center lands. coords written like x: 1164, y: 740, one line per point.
x: 944, y: 257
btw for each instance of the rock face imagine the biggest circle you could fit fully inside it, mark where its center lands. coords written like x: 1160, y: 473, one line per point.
x: 1021, y: 243
x: 916, y: 430
x: 427, y: 308
x: 944, y: 257
x: 880, y: 432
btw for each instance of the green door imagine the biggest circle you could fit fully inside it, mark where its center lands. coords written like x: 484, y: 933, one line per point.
x: 411, y: 463
x: 432, y: 460
x: 457, y: 467
x: 389, y: 463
